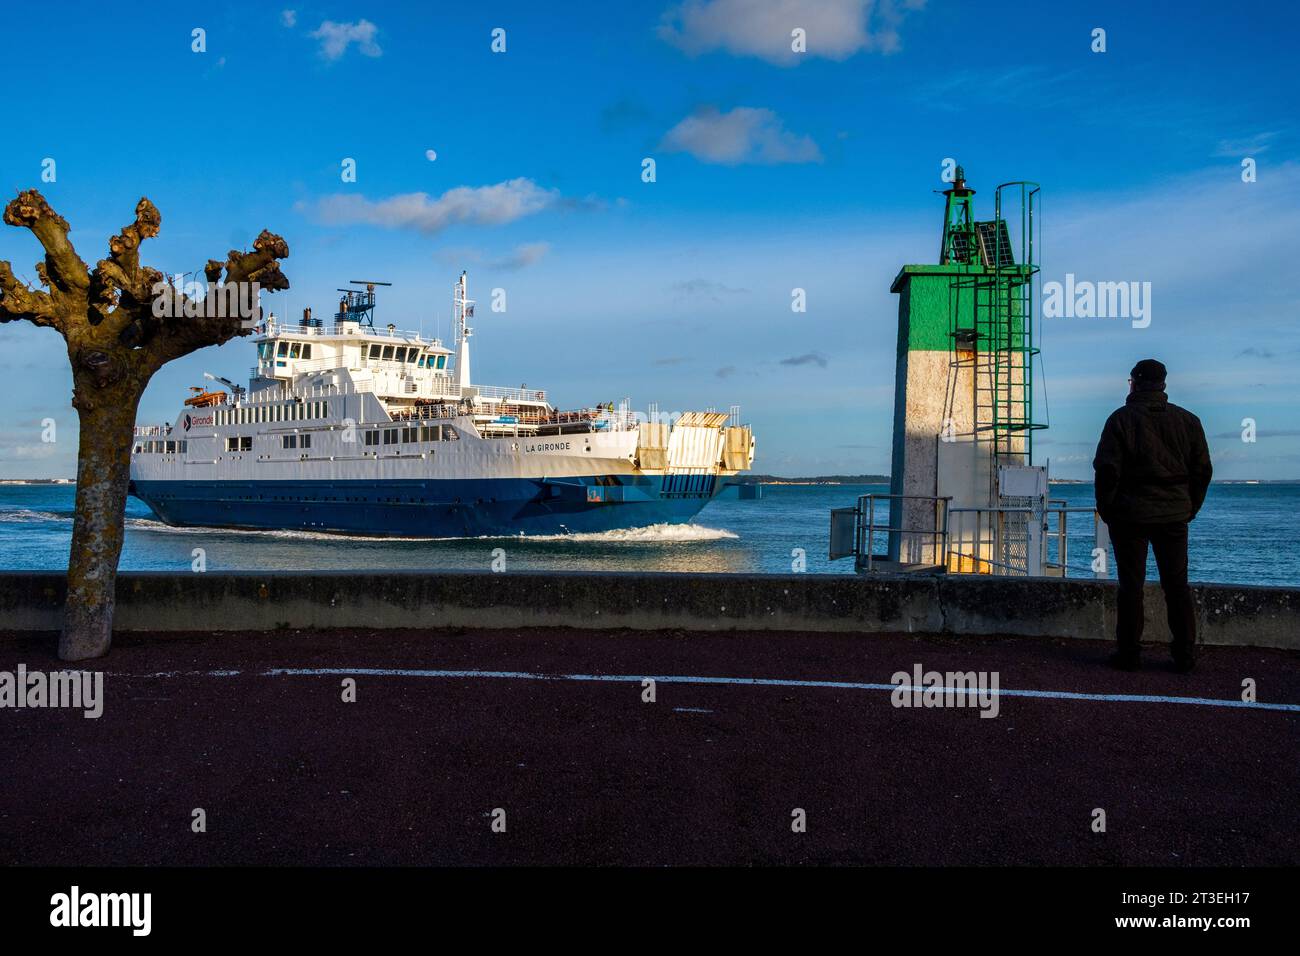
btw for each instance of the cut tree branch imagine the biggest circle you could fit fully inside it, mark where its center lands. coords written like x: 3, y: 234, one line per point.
x: 177, y: 337
x: 64, y: 270
x: 17, y: 301
x: 260, y: 266
x: 118, y: 282
x: 119, y: 331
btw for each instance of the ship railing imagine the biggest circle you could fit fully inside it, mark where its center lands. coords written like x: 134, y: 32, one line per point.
x: 267, y: 371
x: 595, y: 418
x: 150, y: 431
x: 499, y: 392
x: 312, y: 365
x: 441, y: 382
x: 343, y: 328
x: 390, y: 365
x: 436, y: 410
x: 599, y: 419
x: 272, y: 395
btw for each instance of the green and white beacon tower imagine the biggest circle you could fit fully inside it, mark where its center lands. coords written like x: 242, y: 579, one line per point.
x: 965, y: 495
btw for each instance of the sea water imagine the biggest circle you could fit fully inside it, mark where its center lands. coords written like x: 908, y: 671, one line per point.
x: 1246, y: 534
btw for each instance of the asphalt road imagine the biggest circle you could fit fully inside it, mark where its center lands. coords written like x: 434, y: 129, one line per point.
x: 585, y: 771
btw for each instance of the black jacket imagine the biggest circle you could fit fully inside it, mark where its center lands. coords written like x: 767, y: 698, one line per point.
x: 1152, y: 463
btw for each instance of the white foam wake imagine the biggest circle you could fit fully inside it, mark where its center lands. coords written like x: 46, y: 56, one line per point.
x: 26, y: 515
x: 650, y: 534
x: 154, y: 526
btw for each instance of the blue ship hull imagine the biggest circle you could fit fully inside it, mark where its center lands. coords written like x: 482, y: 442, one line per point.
x: 442, y: 508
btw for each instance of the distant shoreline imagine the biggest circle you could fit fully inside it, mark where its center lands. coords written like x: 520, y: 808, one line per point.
x: 884, y: 480
x: 779, y: 480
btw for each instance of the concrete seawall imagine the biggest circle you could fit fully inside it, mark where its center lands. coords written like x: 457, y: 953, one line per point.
x: 1228, y: 614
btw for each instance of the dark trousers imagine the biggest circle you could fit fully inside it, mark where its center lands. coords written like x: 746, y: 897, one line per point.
x: 1169, y: 541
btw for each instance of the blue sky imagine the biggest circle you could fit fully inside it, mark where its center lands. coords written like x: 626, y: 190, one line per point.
x: 774, y: 171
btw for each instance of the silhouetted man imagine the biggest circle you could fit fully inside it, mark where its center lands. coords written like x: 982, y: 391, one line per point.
x: 1152, y: 471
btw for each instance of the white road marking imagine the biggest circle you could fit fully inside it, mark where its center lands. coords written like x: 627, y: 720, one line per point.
x: 743, y: 681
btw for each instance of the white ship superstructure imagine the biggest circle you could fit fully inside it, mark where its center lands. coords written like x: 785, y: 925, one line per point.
x: 351, y: 428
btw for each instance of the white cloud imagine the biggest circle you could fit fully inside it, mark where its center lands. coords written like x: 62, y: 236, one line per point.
x: 289, y: 18
x: 835, y: 29
x: 482, y: 205
x: 530, y: 253
x: 335, y: 38
x: 1246, y: 145
x: 744, y: 135
x: 526, y: 255
x: 704, y: 289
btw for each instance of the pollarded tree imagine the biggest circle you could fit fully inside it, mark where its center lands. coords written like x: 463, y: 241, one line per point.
x: 122, y: 322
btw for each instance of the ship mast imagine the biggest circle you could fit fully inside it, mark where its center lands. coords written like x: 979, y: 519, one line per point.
x: 463, y: 309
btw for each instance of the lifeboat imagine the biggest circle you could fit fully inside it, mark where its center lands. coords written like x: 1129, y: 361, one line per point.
x: 202, y: 398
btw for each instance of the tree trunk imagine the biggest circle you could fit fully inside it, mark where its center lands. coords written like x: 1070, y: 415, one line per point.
x: 98, y: 528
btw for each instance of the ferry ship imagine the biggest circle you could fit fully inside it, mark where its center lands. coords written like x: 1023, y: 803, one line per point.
x: 353, y: 429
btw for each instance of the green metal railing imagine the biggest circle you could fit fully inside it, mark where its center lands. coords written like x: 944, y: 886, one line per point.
x: 991, y: 323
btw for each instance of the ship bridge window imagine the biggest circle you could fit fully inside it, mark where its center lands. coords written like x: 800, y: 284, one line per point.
x: 374, y: 351
x: 388, y: 353
x: 306, y: 350
x: 264, y: 349
x: 411, y: 354
x: 399, y: 355
x: 284, y: 349
x: 372, y: 438
x: 294, y: 349
x: 390, y: 436
x: 442, y: 361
